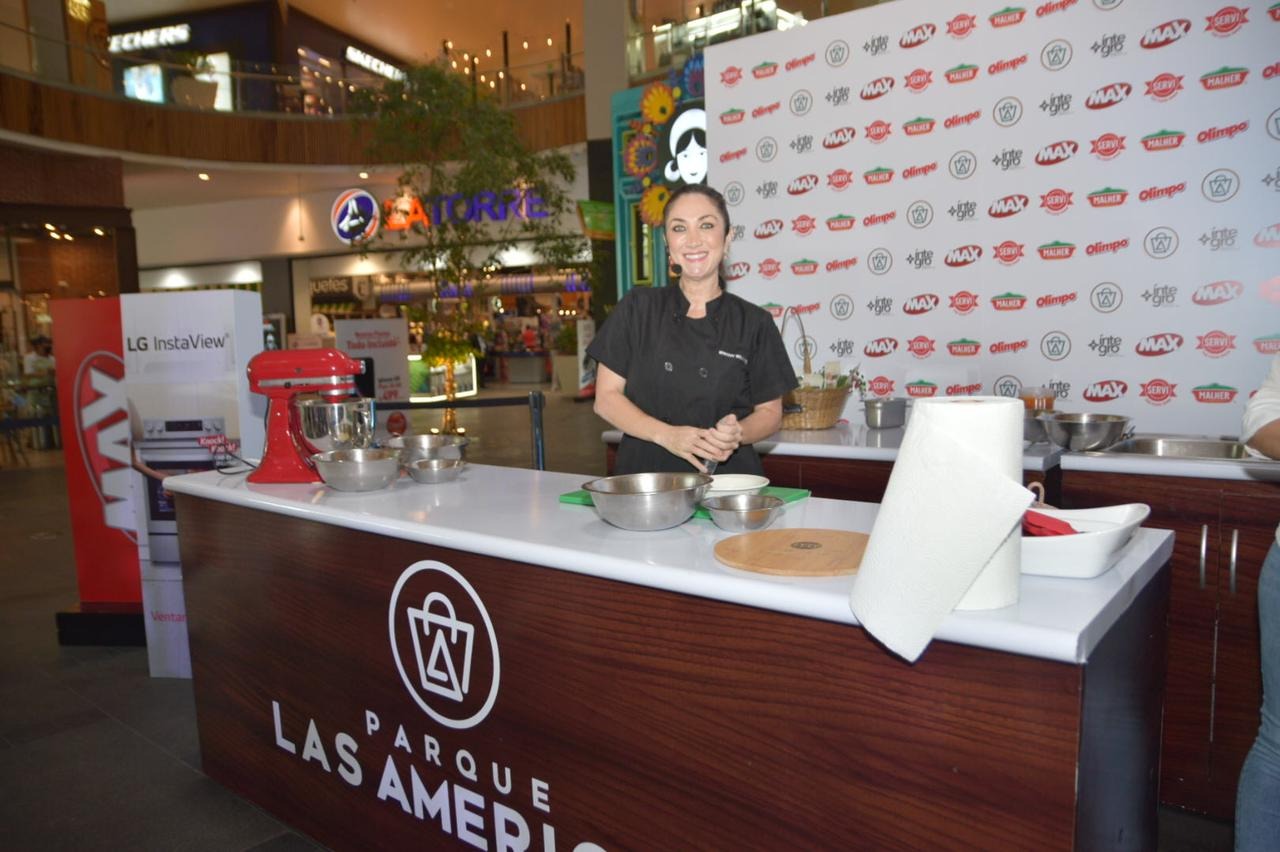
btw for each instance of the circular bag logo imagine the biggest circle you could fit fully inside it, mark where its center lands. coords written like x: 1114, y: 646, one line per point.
x: 1161, y: 242
x: 354, y: 216
x: 1055, y: 345
x: 1056, y: 55
x: 734, y: 193
x: 1007, y: 111
x: 1106, y: 297
x: 766, y: 149
x: 805, y: 347
x: 443, y: 644
x: 920, y: 214
x: 962, y: 165
x: 841, y: 306
x: 1220, y: 185
x: 801, y: 102
x: 879, y: 261
x: 837, y: 53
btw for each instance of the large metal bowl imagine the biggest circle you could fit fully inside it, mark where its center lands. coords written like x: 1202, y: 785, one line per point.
x: 430, y: 446
x: 1083, y: 432
x: 342, y: 424
x: 358, y: 470
x: 743, y: 512
x: 648, y: 501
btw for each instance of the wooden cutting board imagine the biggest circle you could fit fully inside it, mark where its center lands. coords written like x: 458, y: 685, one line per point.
x: 794, y: 553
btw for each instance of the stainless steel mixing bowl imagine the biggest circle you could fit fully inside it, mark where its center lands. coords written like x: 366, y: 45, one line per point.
x: 1083, y: 432
x: 358, y: 470
x: 648, y: 501
x: 342, y: 424
x: 430, y: 446
x: 431, y: 471
x: 743, y: 512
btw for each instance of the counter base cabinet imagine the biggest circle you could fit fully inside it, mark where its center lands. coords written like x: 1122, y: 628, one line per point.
x: 1214, y: 683
x: 636, y: 718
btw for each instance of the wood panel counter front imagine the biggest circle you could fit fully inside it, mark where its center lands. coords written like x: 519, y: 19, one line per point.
x: 476, y: 665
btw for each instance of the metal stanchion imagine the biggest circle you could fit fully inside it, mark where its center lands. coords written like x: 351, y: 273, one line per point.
x: 536, y: 404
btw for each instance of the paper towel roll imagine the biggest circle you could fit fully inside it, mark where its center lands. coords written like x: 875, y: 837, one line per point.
x: 947, y: 531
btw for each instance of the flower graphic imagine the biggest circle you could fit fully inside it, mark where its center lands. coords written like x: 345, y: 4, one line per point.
x: 653, y: 203
x: 657, y: 103
x: 640, y: 155
x: 692, y: 77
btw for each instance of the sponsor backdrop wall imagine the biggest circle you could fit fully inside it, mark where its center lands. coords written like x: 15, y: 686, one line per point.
x: 964, y: 198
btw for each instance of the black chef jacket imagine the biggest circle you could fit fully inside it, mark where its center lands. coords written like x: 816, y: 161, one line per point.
x: 691, y: 372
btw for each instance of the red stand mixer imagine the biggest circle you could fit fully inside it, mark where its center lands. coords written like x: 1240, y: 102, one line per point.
x: 281, y: 375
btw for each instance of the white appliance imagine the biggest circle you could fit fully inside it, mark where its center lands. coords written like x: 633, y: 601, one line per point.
x: 172, y: 446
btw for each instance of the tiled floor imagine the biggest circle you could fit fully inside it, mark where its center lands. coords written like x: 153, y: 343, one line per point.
x: 94, y: 754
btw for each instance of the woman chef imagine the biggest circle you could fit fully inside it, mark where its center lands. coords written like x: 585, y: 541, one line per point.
x: 691, y: 373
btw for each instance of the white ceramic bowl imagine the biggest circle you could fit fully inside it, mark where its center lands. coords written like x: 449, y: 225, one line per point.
x: 724, y: 484
x: 1103, y: 533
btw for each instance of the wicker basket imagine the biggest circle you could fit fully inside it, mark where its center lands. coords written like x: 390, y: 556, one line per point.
x: 812, y: 408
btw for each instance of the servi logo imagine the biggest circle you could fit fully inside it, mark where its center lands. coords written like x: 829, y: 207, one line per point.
x: 446, y: 652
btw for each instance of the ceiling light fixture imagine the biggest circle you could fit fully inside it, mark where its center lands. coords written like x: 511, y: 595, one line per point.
x: 488, y: 52
x: 203, y: 175
x: 548, y: 41
x: 526, y: 45
x: 100, y: 232
x: 69, y: 238
x: 364, y: 176
x: 55, y: 235
x: 49, y: 227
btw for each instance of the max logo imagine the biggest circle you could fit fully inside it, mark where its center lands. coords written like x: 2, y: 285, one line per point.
x: 1163, y: 35
x: 1106, y: 390
x: 1159, y: 344
x: 102, y: 430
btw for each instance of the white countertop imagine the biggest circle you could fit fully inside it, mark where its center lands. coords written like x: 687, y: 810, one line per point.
x: 511, y: 513
x: 847, y: 441
x: 1254, y: 469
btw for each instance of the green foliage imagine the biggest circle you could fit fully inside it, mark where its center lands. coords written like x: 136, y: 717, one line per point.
x: 566, y: 342
x: 451, y: 141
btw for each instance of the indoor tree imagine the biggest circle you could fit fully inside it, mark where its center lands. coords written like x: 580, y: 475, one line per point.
x: 469, y: 191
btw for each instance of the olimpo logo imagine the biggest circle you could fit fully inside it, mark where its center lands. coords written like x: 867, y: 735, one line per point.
x: 444, y: 644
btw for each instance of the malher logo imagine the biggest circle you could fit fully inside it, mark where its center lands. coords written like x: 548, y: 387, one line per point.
x: 732, y: 116
x: 1223, y: 78
x: 1163, y: 140
x: 1159, y: 344
x: 1056, y: 250
x: 964, y: 348
x: 921, y: 389
x: 1106, y: 390
x: 1157, y: 391
x: 764, y: 69
x: 961, y: 73
x: 877, y: 176
x: 102, y: 432
x: 841, y: 222
x: 918, y: 126
x: 917, y: 35
x: 1108, y: 95
x: 1163, y: 35
x: 1107, y: 197
x: 1007, y: 17
x: 1009, y: 302
x: 804, y: 266
x: 877, y: 88
x: 1215, y: 394
x: 444, y: 644
x: 1218, y: 293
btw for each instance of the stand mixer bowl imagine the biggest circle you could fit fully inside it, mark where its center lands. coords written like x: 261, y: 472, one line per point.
x: 346, y: 423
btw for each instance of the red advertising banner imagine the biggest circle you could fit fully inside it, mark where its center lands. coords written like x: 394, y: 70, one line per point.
x: 94, y: 413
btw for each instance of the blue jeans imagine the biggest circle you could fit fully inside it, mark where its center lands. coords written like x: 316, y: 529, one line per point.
x: 1258, y: 796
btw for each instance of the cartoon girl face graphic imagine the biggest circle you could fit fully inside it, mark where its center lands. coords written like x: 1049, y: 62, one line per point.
x: 688, y: 141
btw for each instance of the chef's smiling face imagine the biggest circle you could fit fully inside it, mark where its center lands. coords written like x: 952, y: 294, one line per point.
x: 697, y: 237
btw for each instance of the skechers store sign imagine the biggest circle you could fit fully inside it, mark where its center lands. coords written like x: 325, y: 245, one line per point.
x: 150, y: 39
x: 356, y: 216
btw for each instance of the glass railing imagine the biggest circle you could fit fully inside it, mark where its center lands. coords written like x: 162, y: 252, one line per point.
x: 324, y: 87
x: 315, y: 87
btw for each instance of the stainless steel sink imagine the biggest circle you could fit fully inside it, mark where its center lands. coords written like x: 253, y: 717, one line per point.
x: 1180, y: 448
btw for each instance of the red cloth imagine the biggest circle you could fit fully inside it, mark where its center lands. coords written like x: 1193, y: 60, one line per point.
x: 1037, y: 523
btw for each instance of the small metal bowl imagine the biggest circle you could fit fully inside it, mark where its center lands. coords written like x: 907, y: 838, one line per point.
x: 1032, y: 429
x: 431, y: 471
x: 647, y: 501
x: 743, y: 512
x: 358, y: 470
x: 1083, y: 432
x: 430, y: 446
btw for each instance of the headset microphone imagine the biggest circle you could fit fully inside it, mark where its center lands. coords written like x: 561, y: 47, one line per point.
x: 676, y: 269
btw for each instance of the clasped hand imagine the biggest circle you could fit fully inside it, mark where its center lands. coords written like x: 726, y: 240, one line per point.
x: 693, y: 444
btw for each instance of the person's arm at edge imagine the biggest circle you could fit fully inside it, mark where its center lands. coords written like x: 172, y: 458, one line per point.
x: 1261, y: 427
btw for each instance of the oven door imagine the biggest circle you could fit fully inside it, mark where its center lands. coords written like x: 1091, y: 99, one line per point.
x: 162, y: 524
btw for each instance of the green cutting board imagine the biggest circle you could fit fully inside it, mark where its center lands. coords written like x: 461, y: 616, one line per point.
x: 787, y: 495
